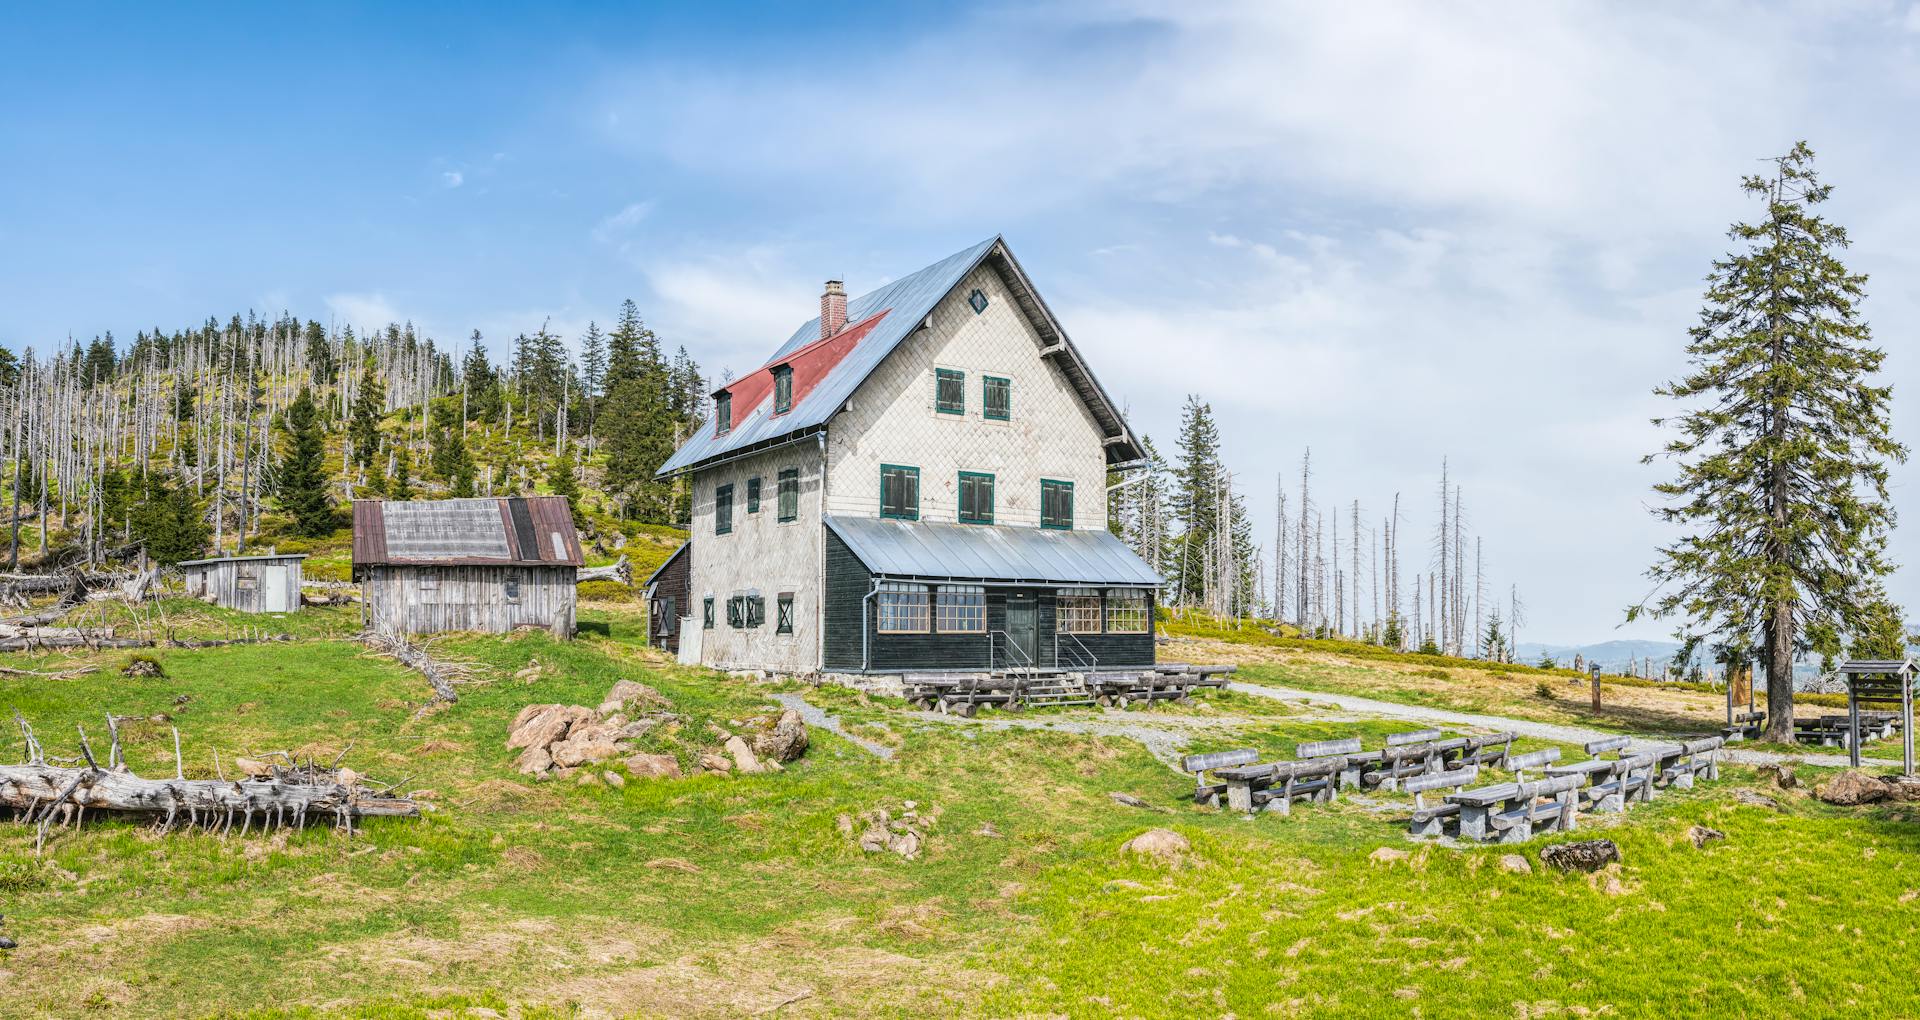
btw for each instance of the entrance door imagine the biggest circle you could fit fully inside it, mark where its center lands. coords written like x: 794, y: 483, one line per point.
x: 1023, y: 628
x: 273, y: 589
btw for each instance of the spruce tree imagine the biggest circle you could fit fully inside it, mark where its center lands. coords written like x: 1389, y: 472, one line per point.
x: 561, y: 480
x: 168, y: 523
x: 302, y: 476
x: 402, y: 488
x: 363, y: 431
x: 1195, y: 499
x: 593, y: 370
x: 1783, y: 449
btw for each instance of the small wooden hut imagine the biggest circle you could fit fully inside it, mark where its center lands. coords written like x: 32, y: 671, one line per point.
x: 669, y: 598
x: 251, y: 584
x: 490, y: 565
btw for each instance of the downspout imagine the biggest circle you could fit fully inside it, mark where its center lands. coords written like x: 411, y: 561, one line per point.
x: 866, y: 659
x: 820, y: 592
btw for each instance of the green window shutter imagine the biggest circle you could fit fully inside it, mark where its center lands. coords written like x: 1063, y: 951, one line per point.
x: 723, y: 509
x: 783, y: 614
x: 723, y: 413
x: 899, y: 492
x: 782, y: 389
x: 1056, y: 504
x: 706, y: 613
x: 996, y: 397
x: 753, y: 495
x: 976, y: 497
x: 949, y: 391
x: 789, y: 494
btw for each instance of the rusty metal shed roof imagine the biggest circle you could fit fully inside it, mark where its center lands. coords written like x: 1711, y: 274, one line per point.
x: 986, y: 552
x: 241, y: 559
x: 511, y: 531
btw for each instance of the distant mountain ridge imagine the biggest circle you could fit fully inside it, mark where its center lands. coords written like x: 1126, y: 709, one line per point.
x: 1611, y: 656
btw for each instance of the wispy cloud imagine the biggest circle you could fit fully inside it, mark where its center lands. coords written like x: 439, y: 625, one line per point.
x: 452, y: 178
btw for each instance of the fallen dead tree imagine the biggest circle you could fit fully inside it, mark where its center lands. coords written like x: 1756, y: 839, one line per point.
x: 438, y: 673
x: 620, y: 570
x: 44, y: 792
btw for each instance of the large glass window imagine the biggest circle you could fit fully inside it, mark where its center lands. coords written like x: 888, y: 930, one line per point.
x: 902, y: 608
x: 960, y: 609
x: 1056, y: 504
x: 723, y: 509
x: 996, y: 397
x: 949, y: 391
x: 1128, y: 611
x: 782, y: 389
x: 789, y: 494
x: 1077, y: 611
x: 976, y: 497
x: 900, y: 492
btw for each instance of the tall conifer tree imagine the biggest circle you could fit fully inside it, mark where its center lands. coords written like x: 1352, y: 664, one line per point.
x: 1783, y: 449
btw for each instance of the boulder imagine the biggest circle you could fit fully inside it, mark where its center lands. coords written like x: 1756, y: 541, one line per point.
x: 743, y: 756
x: 1585, y: 855
x: 715, y: 763
x: 906, y: 844
x: 548, y: 726
x: 786, y: 740
x: 1516, y: 864
x: 574, y: 752
x: 654, y: 766
x: 1129, y: 800
x: 1902, y: 787
x: 614, y: 779
x: 1780, y: 774
x: 1701, y: 836
x: 1850, y: 788
x: 631, y: 693
x: 1387, y: 855
x: 875, y: 839
x: 1165, y: 844
x: 637, y: 728
x: 1753, y: 799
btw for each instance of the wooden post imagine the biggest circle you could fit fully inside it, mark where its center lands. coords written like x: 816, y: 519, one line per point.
x: 1906, y: 721
x: 1596, y: 687
x: 1853, y: 721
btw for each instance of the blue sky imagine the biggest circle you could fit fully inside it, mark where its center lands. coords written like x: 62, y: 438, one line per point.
x: 1393, y: 233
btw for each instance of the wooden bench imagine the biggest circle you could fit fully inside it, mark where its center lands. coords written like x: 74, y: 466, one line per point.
x: 1412, y: 737
x: 1274, y: 786
x: 1822, y: 732
x: 1385, y: 768
x: 1679, y: 764
x: 1488, y: 748
x: 1346, y: 750
x: 1518, y: 764
x: 1608, y: 783
x: 1431, y: 819
x: 1745, y: 726
x: 1201, y: 764
x: 1514, y: 812
x: 958, y: 693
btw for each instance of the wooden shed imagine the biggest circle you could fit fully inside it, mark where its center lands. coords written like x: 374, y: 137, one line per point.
x: 251, y: 584
x: 669, y: 598
x: 489, y: 565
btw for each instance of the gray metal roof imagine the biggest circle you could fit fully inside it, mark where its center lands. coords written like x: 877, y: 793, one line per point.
x: 991, y: 552
x: 907, y: 302
x: 241, y: 559
x: 1877, y: 666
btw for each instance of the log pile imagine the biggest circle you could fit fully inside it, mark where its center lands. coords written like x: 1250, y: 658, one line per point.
x: 45, y: 792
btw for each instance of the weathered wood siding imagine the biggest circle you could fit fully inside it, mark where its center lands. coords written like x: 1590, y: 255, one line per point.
x: 669, y: 600
x: 432, y: 599
x: 249, y: 585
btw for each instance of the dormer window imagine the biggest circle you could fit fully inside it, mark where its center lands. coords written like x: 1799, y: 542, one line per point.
x: 723, y: 412
x: 977, y: 301
x: 782, y: 389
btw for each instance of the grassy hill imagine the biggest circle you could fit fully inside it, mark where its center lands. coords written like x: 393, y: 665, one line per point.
x: 743, y: 896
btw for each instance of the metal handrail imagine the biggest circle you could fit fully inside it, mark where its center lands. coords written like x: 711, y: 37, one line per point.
x: 1084, y: 659
x: 1017, y: 660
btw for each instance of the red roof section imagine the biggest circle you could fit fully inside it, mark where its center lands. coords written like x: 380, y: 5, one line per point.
x: 811, y: 365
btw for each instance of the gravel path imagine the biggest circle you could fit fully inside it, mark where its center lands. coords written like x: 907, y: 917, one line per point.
x: 813, y: 716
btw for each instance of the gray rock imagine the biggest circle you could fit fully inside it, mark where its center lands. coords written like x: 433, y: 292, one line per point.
x: 1165, y: 844
x: 786, y: 740
x: 1851, y: 788
x: 1516, y: 864
x: 1129, y: 800
x: 1585, y: 855
x: 1753, y: 799
x: 1701, y: 835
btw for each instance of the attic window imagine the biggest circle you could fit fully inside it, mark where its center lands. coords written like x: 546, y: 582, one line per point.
x: 782, y: 389
x: 723, y: 412
x: 978, y: 301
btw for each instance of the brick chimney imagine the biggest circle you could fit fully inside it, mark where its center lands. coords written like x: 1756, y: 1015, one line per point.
x: 833, y: 309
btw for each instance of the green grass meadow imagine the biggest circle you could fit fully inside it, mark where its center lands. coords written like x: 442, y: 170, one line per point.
x: 741, y: 896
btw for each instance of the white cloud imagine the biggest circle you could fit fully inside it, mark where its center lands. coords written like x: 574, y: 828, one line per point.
x: 452, y: 178
x: 363, y: 311
x: 620, y: 224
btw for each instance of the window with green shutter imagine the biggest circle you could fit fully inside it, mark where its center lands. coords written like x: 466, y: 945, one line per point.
x: 789, y: 495
x: 976, y: 497
x: 900, y: 492
x: 723, y: 509
x: 783, y: 614
x: 1056, y: 504
x: 996, y: 397
x: 723, y: 412
x: 753, y: 495
x: 949, y: 391
x: 782, y: 389
x: 706, y: 613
